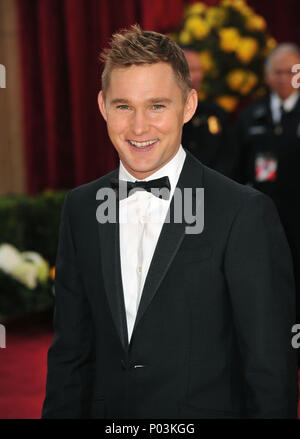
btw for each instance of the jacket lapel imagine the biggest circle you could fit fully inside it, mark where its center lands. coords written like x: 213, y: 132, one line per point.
x: 111, y: 269
x: 168, y: 243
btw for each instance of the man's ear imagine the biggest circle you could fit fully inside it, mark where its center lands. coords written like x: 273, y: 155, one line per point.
x: 190, y: 105
x: 101, y: 103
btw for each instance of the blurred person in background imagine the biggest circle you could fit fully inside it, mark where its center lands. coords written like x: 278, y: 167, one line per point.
x: 268, y: 137
x: 207, y: 135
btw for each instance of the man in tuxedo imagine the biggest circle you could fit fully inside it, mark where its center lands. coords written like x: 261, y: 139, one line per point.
x: 156, y: 317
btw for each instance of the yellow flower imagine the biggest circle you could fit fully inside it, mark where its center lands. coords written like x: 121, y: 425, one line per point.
x: 246, y: 11
x: 239, y: 5
x: 196, y: 8
x: 241, y: 80
x: 246, y: 49
x: 270, y: 45
x: 251, y: 81
x: 229, y: 39
x: 227, y: 102
x: 206, y: 60
x: 233, y: 3
x: 185, y: 37
x: 215, y: 16
x: 227, y: 3
x: 236, y: 78
x: 197, y: 27
x: 256, y: 22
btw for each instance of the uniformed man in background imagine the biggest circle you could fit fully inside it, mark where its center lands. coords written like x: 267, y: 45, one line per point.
x: 207, y: 135
x: 268, y: 138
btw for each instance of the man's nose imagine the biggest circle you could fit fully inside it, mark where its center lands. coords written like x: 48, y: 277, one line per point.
x: 139, y: 123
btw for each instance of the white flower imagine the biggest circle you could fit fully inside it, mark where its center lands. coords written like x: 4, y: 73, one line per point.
x: 9, y: 257
x: 26, y: 273
x: 41, y: 265
x: 28, y: 268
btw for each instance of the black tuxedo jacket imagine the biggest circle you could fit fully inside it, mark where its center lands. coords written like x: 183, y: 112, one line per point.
x: 212, y: 336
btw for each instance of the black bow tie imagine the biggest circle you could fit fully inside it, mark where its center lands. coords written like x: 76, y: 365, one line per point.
x: 123, y: 187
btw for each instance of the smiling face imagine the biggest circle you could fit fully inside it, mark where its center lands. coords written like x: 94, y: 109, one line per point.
x: 145, y: 110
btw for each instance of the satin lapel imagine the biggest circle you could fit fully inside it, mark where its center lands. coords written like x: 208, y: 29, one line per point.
x: 111, y: 268
x: 169, y: 240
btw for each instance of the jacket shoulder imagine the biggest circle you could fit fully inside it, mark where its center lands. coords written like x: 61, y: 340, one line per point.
x: 87, y: 192
x: 227, y: 193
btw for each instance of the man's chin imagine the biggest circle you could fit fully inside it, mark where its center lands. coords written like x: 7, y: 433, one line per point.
x: 142, y: 171
x: 284, y: 94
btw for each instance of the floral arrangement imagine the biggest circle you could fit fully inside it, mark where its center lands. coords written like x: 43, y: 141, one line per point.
x: 26, y: 281
x: 232, y: 42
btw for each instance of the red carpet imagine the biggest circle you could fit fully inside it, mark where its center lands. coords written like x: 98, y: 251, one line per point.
x: 23, y: 369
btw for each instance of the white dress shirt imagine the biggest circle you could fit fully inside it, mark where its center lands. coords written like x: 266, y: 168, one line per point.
x: 288, y: 105
x: 141, y: 217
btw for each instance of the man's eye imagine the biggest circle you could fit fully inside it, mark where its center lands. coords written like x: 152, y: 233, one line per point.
x: 158, y: 106
x: 122, y: 107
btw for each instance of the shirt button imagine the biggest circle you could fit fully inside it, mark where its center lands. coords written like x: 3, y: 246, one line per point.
x: 139, y: 269
x: 143, y: 219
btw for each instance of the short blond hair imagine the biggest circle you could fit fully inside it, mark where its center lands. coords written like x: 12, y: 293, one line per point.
x: 138, y: 47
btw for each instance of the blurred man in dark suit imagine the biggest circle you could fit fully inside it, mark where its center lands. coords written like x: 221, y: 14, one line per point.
x: 208, y: 135
x: 268, y: 137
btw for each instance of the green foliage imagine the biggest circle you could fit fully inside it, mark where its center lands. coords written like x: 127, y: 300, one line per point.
x: 29, y: 224
x: 32, y: 223
x: 17, y: 300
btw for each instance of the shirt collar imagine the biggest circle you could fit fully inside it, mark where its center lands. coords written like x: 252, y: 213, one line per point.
x: 171, y: 169
x: 288, y: 103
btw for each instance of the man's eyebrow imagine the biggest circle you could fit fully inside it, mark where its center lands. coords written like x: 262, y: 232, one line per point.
x: 119, y: 101
x: 151, y: 101
x: 156, y: 100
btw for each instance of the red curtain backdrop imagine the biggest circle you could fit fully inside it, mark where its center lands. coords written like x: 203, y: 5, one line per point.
x: 60, y: 40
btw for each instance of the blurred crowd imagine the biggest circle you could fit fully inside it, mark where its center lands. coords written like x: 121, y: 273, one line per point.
x: 262, y: 148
